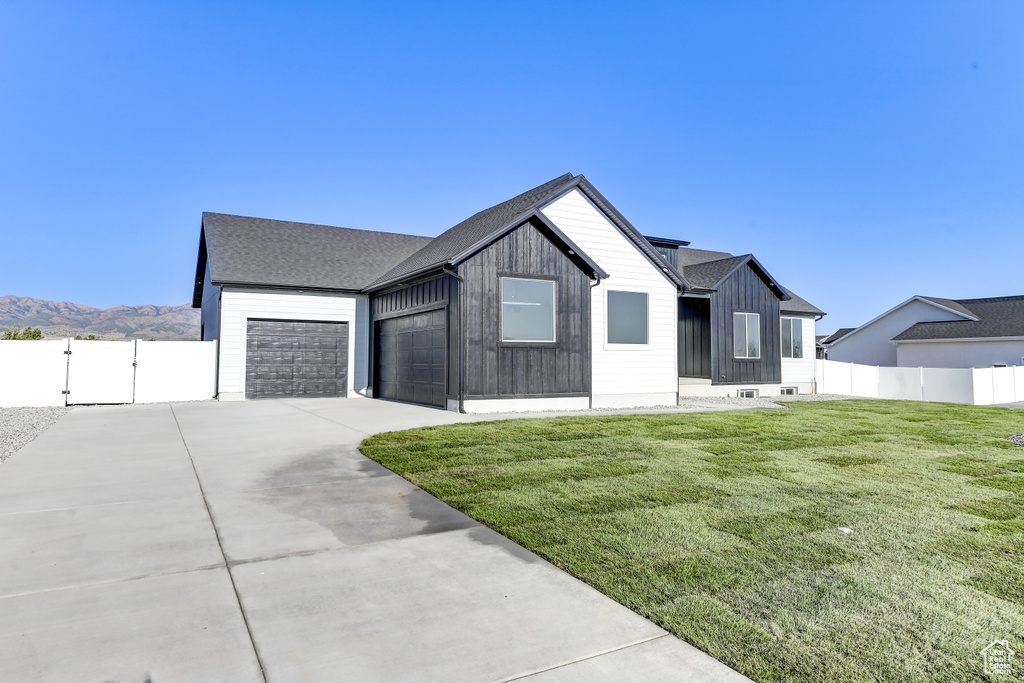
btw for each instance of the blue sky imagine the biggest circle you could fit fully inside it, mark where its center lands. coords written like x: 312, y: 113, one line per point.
x: 864, y: 151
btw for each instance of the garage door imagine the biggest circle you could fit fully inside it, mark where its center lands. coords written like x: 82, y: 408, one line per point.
x: 412, y: 358
x: 296, y: 358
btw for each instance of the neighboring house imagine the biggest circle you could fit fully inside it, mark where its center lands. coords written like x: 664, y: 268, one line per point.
x: 550, y: 300
x: 823, y: 341
x: 938, y: 333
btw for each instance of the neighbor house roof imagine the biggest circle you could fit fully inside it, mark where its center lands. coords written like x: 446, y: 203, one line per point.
x: 264, y: 252
x: 1001, y: 316
x: 838, y: 334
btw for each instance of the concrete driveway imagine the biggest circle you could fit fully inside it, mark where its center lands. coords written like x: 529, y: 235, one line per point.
x: 251, y: 541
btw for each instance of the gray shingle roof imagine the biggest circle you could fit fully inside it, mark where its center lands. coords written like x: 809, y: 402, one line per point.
x: 838, y: 334
x: 1001, y: 316
x: 689, y: 257
x: 951, y: 304
x: 260, y: 251
x: 708, y: 274
x: 798, y: 304
x: 469, y: 232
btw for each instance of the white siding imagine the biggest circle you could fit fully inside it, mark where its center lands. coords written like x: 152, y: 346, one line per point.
x: 799, y: 372
x: 872, y: 343
x: 960, y: 354
x: 210, y: 312
x: 637, y: 374
x: 238, y: 305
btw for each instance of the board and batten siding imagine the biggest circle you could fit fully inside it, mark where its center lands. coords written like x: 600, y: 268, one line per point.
x: 623, y: 374
x: 495, y: 369
x: 799, y: 372
x: 438, y: 292
x: 239, y: 305
x: 745, y: 292
x: 209, y: 314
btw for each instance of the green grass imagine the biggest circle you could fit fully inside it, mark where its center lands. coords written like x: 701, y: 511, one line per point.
x: 722, y: 527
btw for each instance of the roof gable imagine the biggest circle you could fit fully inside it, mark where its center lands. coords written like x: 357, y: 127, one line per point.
x: 711, y: 274
x: 991, y: 318
x: 931, y: 301
x: 475, y: 230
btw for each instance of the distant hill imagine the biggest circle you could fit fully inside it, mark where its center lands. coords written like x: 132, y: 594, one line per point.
x: 63, y: 319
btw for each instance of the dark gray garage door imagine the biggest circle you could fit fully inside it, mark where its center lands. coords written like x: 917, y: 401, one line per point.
x: 296, y: 358
x: 412, y: 358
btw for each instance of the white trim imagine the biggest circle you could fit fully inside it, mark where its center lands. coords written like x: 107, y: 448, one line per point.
x: 519, y: 405
x: 916, y: 297
x: 791, y: 337
x: 612, y: 346
x: 957, y: 339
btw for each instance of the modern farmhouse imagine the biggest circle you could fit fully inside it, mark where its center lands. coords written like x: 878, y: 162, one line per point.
x: 550, y: 300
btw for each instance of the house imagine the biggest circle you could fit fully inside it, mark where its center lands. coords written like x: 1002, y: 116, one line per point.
x: 932, y: 332
x: 550, y: 300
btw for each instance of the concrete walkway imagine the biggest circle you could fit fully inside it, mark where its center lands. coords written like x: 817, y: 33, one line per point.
x: 252, y: 542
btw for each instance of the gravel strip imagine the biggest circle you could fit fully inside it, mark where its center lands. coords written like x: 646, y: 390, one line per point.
x: 701, y: 401
x: 18, y: 426
x: 814, y: 397
x: 1017, y: 439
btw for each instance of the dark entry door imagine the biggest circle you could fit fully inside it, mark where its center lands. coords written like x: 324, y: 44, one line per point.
x: 296, y: 358
x: 412, y: 358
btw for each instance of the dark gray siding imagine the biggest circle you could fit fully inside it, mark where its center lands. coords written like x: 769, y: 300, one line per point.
x: 694, y: 338
x: 670, y: 253
x: 494, y: 368
x: 745, y: 292
x: 440, y: 292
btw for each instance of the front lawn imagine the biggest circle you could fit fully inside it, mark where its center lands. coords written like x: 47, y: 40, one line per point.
x: 724, y: 527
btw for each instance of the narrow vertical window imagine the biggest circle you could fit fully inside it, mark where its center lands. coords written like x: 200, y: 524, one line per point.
x: 746, y: 335
x: 627, y: 318
x: 527, y: 310
x: 792, y: 338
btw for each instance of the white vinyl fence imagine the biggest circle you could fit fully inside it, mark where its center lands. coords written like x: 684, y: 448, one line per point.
x: 76, y: 372
x: 977, y: 386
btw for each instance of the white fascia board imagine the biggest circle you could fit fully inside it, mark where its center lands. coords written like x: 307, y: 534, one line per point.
x: 896, y: 308
x: 958, y: 339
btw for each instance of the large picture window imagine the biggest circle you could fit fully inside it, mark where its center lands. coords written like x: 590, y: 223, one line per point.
x: 792, y: 338
x: 746, y: 335
x: 527, y: 310
x: 627, y: 318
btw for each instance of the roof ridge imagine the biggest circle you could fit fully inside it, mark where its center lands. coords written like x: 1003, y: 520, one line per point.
x: 314, y: 225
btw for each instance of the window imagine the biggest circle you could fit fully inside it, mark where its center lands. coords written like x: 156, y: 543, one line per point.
x: 746, y: 335
x: 527, y: 310
x: 788, y: 391
x: 627, y: 318
x: 792, y: 338
x: 746, y: 393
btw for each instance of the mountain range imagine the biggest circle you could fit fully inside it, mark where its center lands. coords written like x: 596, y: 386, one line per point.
x: 63, y: 319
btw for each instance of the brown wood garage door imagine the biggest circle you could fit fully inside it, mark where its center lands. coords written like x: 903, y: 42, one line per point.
x: 412, y: 358
x: 296, y: 358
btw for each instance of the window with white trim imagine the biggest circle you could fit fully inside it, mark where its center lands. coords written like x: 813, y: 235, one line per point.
x: 627, y: 317
x: 527, y: 310
x: 746, y: 335
x: 792, y: 338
